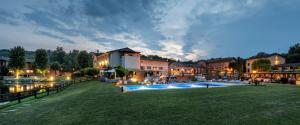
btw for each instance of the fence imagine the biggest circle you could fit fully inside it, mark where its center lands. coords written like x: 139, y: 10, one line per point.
x: 40, y: 91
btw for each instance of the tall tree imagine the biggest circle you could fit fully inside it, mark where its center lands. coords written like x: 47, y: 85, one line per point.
x: 240, y: 66
x: 58, y: 55
x: 261, y: 65
x: 83, y: 59
x: 293, y: 55
x: 17, y: 59
x: 55, y: 66
x: 41, y: 61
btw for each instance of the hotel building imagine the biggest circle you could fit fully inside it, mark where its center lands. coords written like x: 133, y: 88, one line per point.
x: 275, y: 59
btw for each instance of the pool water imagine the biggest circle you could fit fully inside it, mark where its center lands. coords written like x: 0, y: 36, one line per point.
x: 177, y: 86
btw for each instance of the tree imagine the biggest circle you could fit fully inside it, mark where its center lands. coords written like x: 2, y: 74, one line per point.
x: 17, y: 59
x: 261, y: 65
x: 70, y: 61
x: 238, y: 66
x: 41, y: 61
x: 55, y: 66
x: 293, y: 55
x: 83, y: 59
x: 262, y: 54
x: 58, y: 55
x: 234, y: 67
x: 121, y: 71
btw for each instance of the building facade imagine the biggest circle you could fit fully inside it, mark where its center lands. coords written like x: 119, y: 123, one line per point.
x: 275, y: 59
x: 124, y: 57
x: 220, y: 68
x: 183, y: 71
x: 154, y: 66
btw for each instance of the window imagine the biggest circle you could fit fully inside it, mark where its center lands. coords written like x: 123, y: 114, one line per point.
x: 148, y: 67
x: 161, y: 68
x: 142, y: 67
x: 248, y: 64
x: 248, y: 70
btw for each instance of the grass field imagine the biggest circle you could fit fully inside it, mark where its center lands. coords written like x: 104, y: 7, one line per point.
x: 103, y: 104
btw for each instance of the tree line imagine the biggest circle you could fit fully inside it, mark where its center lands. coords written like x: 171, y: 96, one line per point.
x: 57, y: 60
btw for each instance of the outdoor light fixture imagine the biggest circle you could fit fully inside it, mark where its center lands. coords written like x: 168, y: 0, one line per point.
x: 133, y: 79
x: 68, y: 78
x: 51, y: 78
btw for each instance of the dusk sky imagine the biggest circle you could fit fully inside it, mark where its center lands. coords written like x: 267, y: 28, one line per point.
x: 182, y: 29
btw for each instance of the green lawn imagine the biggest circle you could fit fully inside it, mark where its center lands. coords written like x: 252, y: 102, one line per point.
x: 103, y: 104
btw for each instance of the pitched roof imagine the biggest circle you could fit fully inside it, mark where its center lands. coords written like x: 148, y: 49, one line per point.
x: 3, y: 58
x: 127, y: 50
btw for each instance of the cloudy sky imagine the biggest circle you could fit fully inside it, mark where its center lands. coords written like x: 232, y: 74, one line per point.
x: 182, y: 29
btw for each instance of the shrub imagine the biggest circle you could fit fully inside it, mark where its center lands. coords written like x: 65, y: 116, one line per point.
x: 121, y: 71
x: 89, y: 72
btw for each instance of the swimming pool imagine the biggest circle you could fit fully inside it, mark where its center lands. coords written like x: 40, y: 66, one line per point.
x: 177, y: 86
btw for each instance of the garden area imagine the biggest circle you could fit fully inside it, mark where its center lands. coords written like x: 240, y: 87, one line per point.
x: 93, y: 102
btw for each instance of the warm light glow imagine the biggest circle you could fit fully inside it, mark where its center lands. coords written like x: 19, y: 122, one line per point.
x: 51, y: 85
x: 11, y: 89
x: 68, y: 78
x: 51, y: 78
x: 254, y: 71
x: 17, y: 76
x: 133, y: 79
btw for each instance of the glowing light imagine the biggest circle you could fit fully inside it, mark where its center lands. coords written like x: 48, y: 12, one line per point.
x: 28, y: 87
x: 133, y: 79
x: 143, y: 87
x: 195, y: 86
x: 68, y: 78
x: 172, y: 87
x: 11, y: 89
x: 254, y: 71
x: 51, y: 78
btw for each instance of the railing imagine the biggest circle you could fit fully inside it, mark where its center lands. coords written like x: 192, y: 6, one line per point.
x: 40, y: 92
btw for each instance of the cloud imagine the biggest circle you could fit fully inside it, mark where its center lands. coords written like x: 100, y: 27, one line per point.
x: 178, y: 29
